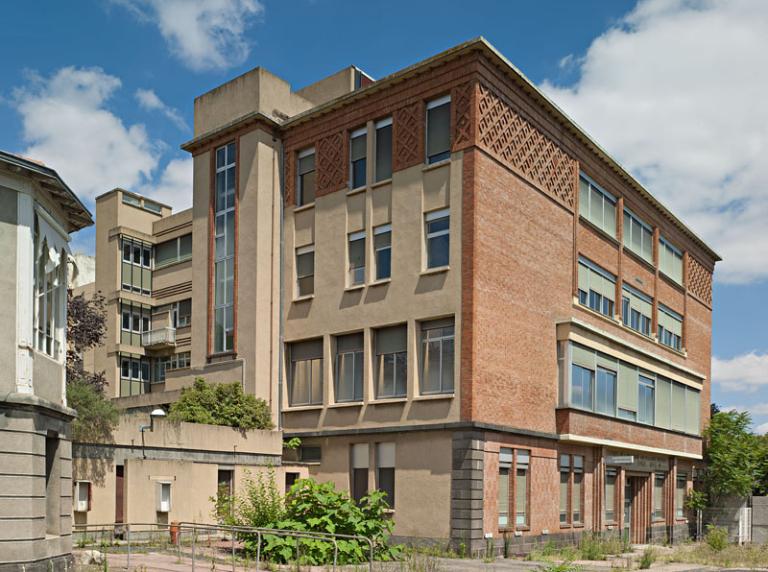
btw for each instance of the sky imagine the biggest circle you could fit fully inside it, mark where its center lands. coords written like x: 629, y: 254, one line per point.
x: 103, y: 91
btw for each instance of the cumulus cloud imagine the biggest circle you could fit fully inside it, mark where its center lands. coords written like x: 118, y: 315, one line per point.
x: 674, y: 91
x: 174, y: 186
x: 149, y: 101
x: 762, y: 429
x: 67, y: 125
x: 747, y: 372
x: 202, y: 34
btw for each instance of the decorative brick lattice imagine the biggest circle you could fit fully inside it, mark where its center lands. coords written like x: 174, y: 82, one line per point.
x: 461, y: 97
x: 331, y: 172
x: 699, y: 281
x: 290, y: 176
x: 408, y: 135
x: 513, y: 140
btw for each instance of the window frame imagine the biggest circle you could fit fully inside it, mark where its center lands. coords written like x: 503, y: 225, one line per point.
x: 680, y: 477
x: 628, y: 233
x: 356, y: 274
x: 430, y: 218
x: 398, y: 356
x: 669, y: 249
x: 571, y: 468
x: 659, y: 513
x: 303, y: 154
x: 442, y: 155
x: 606, y: 196
x: 340, y: 358
x: 513, y: 467
x: 303, y: 251
x: 627, y: 311
x: 387, y: 466
x: 312, y: 382
x: 379, y: 231
x: 223, y: 308
x: 586, y: 297
x: 380, y: 125
x: 675, y: 341
x: 356, y: 134
x: 439, y: 324
x: 614, y: 472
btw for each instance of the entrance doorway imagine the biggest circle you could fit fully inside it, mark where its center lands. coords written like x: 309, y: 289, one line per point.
x: 637, y: 508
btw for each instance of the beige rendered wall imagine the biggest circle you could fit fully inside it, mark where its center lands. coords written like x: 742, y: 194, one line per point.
x: 8, y: 216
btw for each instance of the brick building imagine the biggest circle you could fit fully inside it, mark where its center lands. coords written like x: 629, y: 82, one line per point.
x: 449, y: 291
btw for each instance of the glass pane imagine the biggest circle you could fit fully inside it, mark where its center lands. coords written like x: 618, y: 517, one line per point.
x: 306, y: 285
x: 300, y: 379
x: 386, y: 375
x: 357, y: 147
x: 221, y: 184
x: 521, y: 497
x: 218, y: 330
x: 305, y: 264
x: 307, y: 188
x: 564, y: 476
x: 358, y: 173
x: 438, y: 251
x: 503, y: 497
x: 384, y: 153
x: 439, y: 132
x: 231, y: 154
x: 383, y: 263
x: 317, y: 381
x: 230, y: 233
x: 432, y: 366
x: 221, y: 157
x: 447, y: 363
x: 576, y: 497
x: 185, y: 245
x: 401, y: 373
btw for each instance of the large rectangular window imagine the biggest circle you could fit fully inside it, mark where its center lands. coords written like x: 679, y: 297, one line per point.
x: 134, y: 374
x: 391, y: 361
x: 522, y: 461
x: 358, y: 142
x: 385, y: 471
x: 181, y: 313
x: 306, y: 176
x: 356, y: 253
x: 305, y: 270
x: 611, y: 479
x: 382, y: 247
x: 597, y: 206
x: 349, y: 368
x: 658, y: 495
x: 136, y: 267
x: 571, y: 489
x: 646, y: 399
x: 581, y: 386
x: 597, y: 287
x: 513, y: 487
x: 306, y: 375
x: 636, y: 310
x: 638, y: 236
x: 135, y: 319
x: 605, y: 391
x: 670, y: 261
x: 174, y: 250
x: 439, y: 129
x: 670, y: 328
x: 224, y: 253
x: 383, y: 149
x: 437, y: 232
x: 50, y: 287
x: 359, y: 476
x: 681, y: 488
x: 437, y: 356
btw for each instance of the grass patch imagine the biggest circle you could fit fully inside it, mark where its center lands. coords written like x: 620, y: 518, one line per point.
x: 730, y: 556
x: 590, y: 547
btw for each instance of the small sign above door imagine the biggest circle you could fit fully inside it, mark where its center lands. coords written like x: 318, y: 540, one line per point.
x: 619, y: 460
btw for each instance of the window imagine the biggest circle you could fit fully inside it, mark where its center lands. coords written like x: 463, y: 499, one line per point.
x: 605, y: 391
x: 356, y: 258
x: 175, y: 250
x: 136, y: 268
x: 349, y: 368
x: 225, y: 482
x: 513, y: 462
x: 305, y: 270
x: 681, y: 488
x: 134, y: 374
x: 290, y: 480
x: 382, y: 247
x: 359, y: 475
x: 439, y: 129
x: 224, y: 255
x: 163, y: 497
x: 438, y: 229
x: 310, y: 454
x: 658, y: 496
x: 181, y: 313
x: 305, y: 188
x: 383, y: 149
x: 50, y: 290
x: 638, y: 236
x: 82, y: 496
x: 385, y: 471
x: 391, y: 361
x: 670, y: 261
x: 131, y: 200
x: 135, y: 319
x: 581, y: 387
x: 670, y: 328
x: 571, y: 488
x: 611, y: 478
x: 357, y: 152
x: 152, y: 207
x: 636, y: 310
x: 306, y: 380
x: 597, y: 287
x: 646, y: 404
x: 437, y: 356
x: 597, y: 206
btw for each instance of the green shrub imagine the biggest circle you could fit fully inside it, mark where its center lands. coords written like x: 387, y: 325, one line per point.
x: 560, y: 567
x: 221, y: 404
x: 648, y: 558
x: 260, y: 506
x: 591, y: 547
x: 96, y: 417
x: 716, y: 537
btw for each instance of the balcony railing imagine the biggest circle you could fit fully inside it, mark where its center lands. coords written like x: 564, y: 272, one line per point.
x: 161, y: 337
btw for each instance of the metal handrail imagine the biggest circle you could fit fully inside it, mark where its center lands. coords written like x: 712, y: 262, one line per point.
x: 164, y: 335
x: 195, y: 528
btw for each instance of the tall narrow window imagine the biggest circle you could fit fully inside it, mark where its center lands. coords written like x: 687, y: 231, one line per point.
x: 439, y: 129
x: 605, y: 391
x: 437, y: 356
x: 357, y: 155
x: 646, y: 403
x: 438, y: 230
x: 306, y: 375
x: 681, y: 486
x: 359, y: 475
x: 349, y: 368
x: 382, y: 246
x: 385, y: 471
x: 578, y: 489
x: 224, y: 253
x: 581, y: 387
x: 571, y: 488
x: 522, y: 462
x: 670, y: 328
x: 565, y: 488
x: 305, y: 187
x: 658, y: 496
x: 670, y: 261
x: 638, y: 236
x: 136, y: 268
x: 391, y: 361
x: 611, y: 476
x: 505, y: 468
x: 636, y: 310
x: 597, y: 287
x: 356, y: 258
x: 305, y: 270
x: 383, y: 149
x: 597, y: 206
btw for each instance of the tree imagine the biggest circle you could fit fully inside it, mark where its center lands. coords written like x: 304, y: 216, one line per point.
x: 96, y: 417
x: 221, y: 404
x: 86, y: 326
x: 733, y: 455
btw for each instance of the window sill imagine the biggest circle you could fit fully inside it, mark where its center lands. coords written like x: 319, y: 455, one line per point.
x: 388, y: 400
x: 437, y: 165
x: 304, y: 298
x: 381, y: 183
x: 381, y: 282
x: 639, y: 259
x: 356, y: 190
x: 172, y: 263
x: 672, y: 282
x: 436, y: 270
x: 302, y: 208
x: 342, y: 404
x: 315, y: 407
x: 434, y: 396
x: 592, y: 226
x: 354, y: 287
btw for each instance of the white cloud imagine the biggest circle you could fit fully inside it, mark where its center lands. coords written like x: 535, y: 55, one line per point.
x: 203, y: 34
x: 762, y: 429
x: 175, y: 185
x: 149, y: 101
x: 674, y: 91
x: 747, y: 372
x: 67, y: 125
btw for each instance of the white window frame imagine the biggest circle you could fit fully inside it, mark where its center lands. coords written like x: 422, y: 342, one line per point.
x: 362, y: 132
x: 644, y: 226
x: 352, y: 273
x: 606, y: 197
x: 382, y: 229
x: 431, y: 217
x: 224, y: 307
x: 299, y: 190
x: 440, y: 101
x: 381, y: 124
x: 300, y: 251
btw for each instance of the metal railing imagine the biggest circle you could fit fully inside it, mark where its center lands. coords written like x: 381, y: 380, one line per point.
x: 158, y: 337
x: 132, y: 539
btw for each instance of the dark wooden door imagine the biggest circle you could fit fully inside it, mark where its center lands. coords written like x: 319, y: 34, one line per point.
x: 120, y: 493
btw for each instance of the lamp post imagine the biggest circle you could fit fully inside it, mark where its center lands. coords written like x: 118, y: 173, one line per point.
x: 155, y: 414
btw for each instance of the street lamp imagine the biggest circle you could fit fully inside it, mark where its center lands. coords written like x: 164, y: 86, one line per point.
x: 157, y: 413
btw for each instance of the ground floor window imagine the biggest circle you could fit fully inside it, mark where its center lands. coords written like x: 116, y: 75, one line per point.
x: 359, y: 475
x: 385, y: 471
x: 571, y: 489
x: 658, y: 496
x: 514, y: 487
x: 611, y: 479
x: 681, y: 486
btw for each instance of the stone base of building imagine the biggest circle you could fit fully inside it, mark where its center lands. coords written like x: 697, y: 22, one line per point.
x: 64, y: 563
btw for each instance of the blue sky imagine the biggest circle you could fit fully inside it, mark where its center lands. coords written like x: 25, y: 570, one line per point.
x: 103, y: 92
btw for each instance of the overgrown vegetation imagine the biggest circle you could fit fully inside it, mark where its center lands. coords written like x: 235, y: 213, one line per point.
x: 308, y: 507
x: 647, y: 559
x: 716, y: 538
x: 749, y: 556
x: 96, y: 415
x: 221, y: 404
x: 590, y: 547
x: 86, y: 326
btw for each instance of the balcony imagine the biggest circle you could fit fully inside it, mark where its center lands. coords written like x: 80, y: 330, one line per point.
x: 159, y: 339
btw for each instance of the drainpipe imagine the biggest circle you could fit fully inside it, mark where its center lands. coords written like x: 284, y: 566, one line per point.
x: 281, y: 174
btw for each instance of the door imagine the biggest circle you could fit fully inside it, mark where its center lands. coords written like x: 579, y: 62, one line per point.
x: 120, y: 493
x: 628, y: 507
x: 638, y: 490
